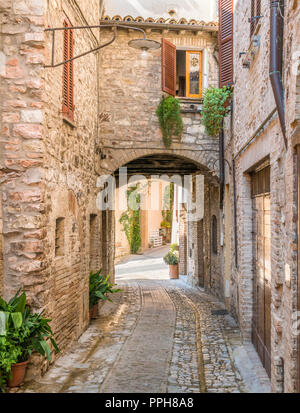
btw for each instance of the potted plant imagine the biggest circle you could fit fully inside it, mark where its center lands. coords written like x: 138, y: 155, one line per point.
x: 170, y: 120
x: 21, y: 333
x: 99, y: 288
x: 215, y: 108
x: 172, y: 259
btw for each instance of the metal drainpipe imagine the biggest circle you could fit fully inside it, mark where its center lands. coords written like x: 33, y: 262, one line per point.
x: 276, y: 48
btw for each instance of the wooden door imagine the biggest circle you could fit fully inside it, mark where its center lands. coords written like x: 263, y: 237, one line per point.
x: 261, y: 328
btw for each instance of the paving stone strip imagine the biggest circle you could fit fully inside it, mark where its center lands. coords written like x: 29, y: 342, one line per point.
x: 220, y: 373
x: 144, y: 361
x: 84, y: 367
x: 157, y: 336
x: 186, y: 369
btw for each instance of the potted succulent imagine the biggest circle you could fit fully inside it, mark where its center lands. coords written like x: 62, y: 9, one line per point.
x: 21, y: 333
x: 99, y: 288
x: 172, y: 259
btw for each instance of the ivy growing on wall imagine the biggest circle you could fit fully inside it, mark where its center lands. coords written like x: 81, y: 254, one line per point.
x: 169, y: 117
x: 131, y: 219
x: 168, y: 203
x: 214, y: 108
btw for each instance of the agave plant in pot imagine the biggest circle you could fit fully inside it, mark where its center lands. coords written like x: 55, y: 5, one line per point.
x: 100, y: 287
x: 21, y: 333
x: 172, y: 259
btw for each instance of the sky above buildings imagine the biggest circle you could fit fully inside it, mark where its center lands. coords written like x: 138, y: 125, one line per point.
x: 189, y: 9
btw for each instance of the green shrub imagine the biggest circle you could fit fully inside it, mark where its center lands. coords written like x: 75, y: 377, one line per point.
x: 214, y: 110
x: 131, y: 220
x: 21, y: 333
x: 169, y: 117
x: 100, y: 287
x: 172, y: 258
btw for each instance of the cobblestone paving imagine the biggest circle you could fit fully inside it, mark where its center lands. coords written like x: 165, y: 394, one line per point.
x: 157, y: 336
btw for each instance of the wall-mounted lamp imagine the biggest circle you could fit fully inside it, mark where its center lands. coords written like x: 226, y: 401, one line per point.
x: 142, y: 44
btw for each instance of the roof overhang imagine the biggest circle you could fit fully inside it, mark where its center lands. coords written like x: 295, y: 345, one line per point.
x: 205, y: 27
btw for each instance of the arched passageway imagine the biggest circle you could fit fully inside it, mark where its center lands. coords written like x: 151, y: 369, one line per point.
x: 194, y: 182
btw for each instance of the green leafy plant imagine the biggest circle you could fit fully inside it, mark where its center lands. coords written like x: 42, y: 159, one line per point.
x: 165, y: 224
x: 172, y: 258
x: 100, y: 287
x: 170, y: 120
x: 174, y: 247
x: 21, y: 333
x: 131, y: 220
x: 214, y: 108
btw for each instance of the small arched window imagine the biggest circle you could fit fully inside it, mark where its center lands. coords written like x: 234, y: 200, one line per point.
x: 214, y: 234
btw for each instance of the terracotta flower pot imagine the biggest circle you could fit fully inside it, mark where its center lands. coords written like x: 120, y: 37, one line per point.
x: 174, y: 271
x: 94, y: 312
x: 18, y: 373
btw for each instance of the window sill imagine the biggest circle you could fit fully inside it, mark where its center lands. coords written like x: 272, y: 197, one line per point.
x: 189, y: 100
x: 190, y: 105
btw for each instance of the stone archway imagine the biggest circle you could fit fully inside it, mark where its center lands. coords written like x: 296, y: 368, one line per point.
x: 171, y: 163
x: 112, y: 159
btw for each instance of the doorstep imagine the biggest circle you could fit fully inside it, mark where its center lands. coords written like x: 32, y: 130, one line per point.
x: 184, y: 278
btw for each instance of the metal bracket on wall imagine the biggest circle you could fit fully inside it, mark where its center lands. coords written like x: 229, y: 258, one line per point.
x: 114, y: 26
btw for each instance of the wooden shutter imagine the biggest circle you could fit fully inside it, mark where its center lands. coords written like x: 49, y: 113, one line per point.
x: 226, y: 42
x: 68, y: 73
x: 168, y: 56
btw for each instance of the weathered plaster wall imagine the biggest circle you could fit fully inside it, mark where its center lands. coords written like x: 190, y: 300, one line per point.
x: 202, y: 261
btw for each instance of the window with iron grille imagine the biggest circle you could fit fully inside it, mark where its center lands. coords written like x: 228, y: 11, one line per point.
x: 255, y: 12
x: 59, y: 237
x: 214, y: 234
x: 68, y: 73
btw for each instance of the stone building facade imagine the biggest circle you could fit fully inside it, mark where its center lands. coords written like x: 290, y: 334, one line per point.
x: 260, y: 224
x: 51, y: 231
x: 130, y: 91
x: 49, y: 224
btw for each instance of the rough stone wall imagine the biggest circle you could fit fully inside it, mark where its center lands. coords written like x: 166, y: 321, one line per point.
x: 130, y: 91
x: 253, y: 96
x: 47, y: 166
x: 70, y: 175
x: 22, y: 50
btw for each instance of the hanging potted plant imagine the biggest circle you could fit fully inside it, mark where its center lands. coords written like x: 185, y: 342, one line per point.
x: 170, y: 120
x: 99, y: 288
x: 21, y: 333
x: 172, y: 259
x: 215, y: 108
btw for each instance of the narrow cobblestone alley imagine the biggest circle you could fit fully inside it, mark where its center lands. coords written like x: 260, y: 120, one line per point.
x: 157, y: 336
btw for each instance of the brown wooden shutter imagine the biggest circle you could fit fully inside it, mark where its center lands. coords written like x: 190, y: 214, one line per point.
x: 168, y: 56
x: 68, y: 73
x: 226, y: 42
